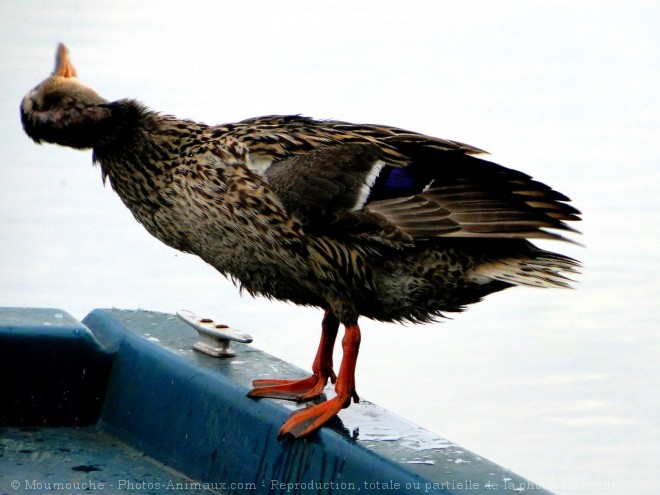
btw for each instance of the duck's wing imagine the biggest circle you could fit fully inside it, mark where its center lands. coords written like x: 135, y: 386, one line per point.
x: 466, y: 196
x: 399, y: 186
x: 325, y: 183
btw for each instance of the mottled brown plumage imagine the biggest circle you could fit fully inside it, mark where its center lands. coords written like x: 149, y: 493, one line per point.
x: 360, y: 220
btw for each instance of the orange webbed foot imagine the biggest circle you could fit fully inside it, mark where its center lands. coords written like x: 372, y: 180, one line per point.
x: 311, y: 387
x: 305, y: 421
x: 298, y: 390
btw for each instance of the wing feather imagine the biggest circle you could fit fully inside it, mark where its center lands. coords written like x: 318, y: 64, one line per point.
x: 398, y: 186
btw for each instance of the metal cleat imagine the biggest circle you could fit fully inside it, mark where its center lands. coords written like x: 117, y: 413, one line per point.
x: 214, y: 339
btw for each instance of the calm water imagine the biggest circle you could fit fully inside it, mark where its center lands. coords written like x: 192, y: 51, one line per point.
x: 559, y: 386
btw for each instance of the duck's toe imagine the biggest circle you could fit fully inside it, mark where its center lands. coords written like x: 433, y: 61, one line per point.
x: 305, y: 421
x: 298, y: 390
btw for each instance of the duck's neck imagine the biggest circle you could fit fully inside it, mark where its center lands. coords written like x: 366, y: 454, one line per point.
x: 140, y: 148
x: 127, y: 124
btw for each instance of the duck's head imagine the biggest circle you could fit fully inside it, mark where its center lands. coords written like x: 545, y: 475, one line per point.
x: 64, y: 111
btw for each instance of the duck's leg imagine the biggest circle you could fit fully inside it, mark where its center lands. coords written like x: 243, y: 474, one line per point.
x: 305, y: 421
x: 313, y: 386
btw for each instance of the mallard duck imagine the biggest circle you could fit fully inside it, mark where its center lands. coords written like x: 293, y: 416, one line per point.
x: 357, y: 220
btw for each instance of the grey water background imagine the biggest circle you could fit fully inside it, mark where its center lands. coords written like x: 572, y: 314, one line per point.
x: 560, y: 386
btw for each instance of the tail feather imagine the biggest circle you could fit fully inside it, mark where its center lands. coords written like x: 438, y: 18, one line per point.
x: 540, y: 269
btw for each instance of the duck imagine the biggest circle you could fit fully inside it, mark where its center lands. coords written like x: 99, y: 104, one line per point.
x: 358, y: 220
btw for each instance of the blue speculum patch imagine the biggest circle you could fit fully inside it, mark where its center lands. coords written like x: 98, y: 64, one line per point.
x: 393, y: 182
